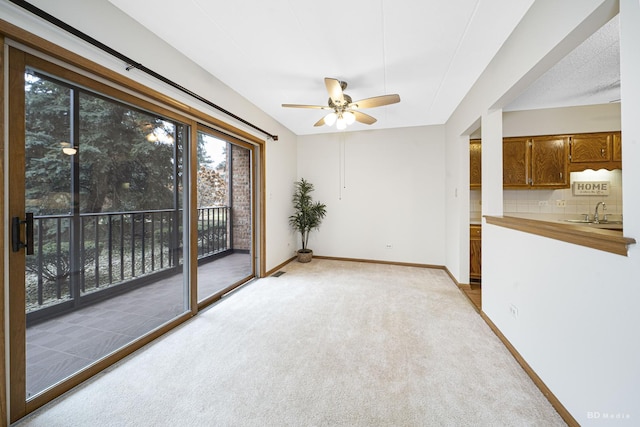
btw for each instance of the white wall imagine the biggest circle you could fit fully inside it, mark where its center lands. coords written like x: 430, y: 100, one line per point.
x: 101, y: 20
x: 381, y: 187
x: 577, y: 312
x: 280, y: 174
x: 558, y: 121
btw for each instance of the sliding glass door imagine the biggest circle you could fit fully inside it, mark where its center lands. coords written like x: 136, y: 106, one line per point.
x: 225, y: 214
x: 98, y: 252
x: 124, y: 217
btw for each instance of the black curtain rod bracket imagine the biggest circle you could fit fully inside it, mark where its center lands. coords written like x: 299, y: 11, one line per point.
x: 132, y: 66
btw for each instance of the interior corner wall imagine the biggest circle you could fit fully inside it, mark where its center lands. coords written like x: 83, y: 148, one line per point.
x: 457, y: 203
x: 383, y: 191
x: 577, y: 311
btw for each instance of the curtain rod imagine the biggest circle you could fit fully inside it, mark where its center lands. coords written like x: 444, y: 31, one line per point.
x: 131, y: 64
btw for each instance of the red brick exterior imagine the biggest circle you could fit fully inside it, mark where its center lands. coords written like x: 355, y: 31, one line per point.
x: 241, y: 197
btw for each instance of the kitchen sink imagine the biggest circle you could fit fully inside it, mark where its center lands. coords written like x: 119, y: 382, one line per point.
x: 589, y: 221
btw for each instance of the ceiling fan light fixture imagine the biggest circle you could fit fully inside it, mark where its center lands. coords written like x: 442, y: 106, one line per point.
x: 344, y: 111
x: 349, y: 117
x: 330, y: 118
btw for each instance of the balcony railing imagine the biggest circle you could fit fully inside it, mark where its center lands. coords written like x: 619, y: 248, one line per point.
x: 83, y: 258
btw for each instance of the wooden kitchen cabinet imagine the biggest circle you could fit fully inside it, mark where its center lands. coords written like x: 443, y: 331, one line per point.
x: 596, y: 151
x: 617, y: 148
x: 591, y: 147
x: 475, y: 163
x: 515, y: 162
x: 536, y: 162
x: 547, y: 161
x: 475, y: 252
x: 550, y: 162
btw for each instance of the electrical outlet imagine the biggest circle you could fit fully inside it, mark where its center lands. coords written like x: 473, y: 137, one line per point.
x: 514, y: 311
x: 543, y: 203
x: 561, y: 203
x: 388, y: 246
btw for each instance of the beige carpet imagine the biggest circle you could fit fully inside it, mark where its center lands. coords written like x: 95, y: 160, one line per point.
x: 328, y: 343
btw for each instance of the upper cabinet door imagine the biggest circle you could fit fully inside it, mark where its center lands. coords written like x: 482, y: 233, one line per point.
x: 617, y: 147
x: 593, y: 147
x: 515, y: 162
x: 549, y: 162
x: 475, y: 163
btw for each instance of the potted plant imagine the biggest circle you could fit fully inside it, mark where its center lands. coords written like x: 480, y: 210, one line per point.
x: 307, y: 216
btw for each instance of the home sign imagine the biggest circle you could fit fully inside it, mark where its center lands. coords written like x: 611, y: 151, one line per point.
x: 591, y: 188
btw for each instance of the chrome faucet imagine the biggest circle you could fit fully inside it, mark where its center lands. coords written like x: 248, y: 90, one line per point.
x: 596, y: 218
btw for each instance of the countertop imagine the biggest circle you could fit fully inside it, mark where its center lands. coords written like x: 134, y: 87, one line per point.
x: 614, y: 221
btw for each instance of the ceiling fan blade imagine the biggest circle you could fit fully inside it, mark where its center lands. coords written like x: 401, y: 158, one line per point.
x: 318, y: 107
x: 335, y: 90
x: 364, y: 118
x: 319, y: 122
x: 376, y: 101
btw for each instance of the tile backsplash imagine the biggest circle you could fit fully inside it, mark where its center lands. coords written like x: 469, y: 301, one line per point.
x: 547, y: 201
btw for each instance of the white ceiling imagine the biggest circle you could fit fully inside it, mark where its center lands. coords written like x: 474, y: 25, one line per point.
x: 430, y: 52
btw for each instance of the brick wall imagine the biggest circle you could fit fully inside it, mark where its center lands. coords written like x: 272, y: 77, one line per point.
x: 241, y: 197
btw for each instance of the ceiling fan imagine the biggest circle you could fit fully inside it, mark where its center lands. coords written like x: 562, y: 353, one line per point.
x: 343, y: 110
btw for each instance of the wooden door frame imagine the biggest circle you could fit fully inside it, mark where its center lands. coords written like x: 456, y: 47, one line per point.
x: 160, y: 103
x: 3, y: 354
x: 16, y: 207
x: 256, y: 158
x: 19, y: 405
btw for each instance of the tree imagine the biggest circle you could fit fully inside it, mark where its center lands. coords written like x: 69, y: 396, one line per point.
x: 212, y: 173
x: 121, y: 166
x: 47, y: 107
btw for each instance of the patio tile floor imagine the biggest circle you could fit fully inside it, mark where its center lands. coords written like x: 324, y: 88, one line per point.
x: 61, y: 346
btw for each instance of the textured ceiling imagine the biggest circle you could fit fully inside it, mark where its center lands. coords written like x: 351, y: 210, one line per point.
x: 588, y: 75
x: 430, y: 52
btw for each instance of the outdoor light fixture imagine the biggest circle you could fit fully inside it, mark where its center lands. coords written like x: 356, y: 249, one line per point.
x: 68, y: 149
x: 160, y: 135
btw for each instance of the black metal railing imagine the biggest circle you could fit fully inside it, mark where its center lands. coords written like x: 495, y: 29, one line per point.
x: 75, y: 257
x: 213, y: 230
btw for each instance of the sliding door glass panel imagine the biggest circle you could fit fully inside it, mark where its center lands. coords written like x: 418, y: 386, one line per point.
x: 224, y: 215
x: 104, y: 182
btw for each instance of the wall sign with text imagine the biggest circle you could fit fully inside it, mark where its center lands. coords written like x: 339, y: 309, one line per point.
x: 591, y: 188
